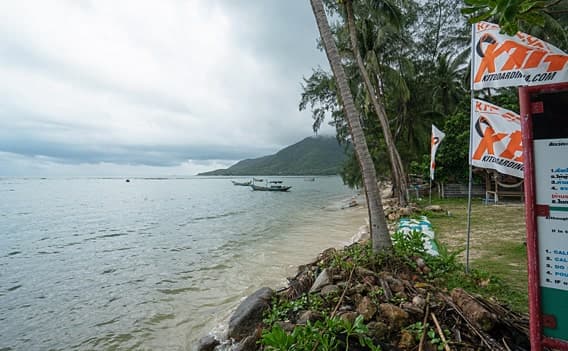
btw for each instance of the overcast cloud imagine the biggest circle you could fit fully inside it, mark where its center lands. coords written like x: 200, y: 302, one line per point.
x: 150, y: 87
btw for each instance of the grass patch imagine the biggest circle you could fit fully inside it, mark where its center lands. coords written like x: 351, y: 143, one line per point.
x: 497, y: 246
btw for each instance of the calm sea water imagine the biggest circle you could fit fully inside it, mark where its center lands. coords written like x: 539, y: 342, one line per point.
x: 152, y: 264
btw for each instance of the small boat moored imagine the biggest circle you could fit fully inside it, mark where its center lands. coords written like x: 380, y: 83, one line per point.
x: 242, y: 183
x: 274, y: 185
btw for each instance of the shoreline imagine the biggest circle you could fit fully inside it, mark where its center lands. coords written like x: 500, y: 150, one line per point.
x: 388, y: 297
x: 342, y: 227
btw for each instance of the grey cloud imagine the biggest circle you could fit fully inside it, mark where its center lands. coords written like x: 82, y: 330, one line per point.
x: 15, y: 54
x: 280, y: 34
x: 37, y: 141
x: 285, y: 32
x: 163, y: 156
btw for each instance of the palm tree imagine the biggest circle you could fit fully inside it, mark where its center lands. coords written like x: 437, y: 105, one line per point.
x: 378, y: 226
x: 398, y: 174
x: 448, y: 86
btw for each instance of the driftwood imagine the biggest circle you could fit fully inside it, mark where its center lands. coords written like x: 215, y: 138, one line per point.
x: 475, y: 311
x: 486, y: 339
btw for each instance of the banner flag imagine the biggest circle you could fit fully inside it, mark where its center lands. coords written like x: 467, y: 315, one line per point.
x: 437, y: 136
x: 496, y: 139
x: 503, y: 61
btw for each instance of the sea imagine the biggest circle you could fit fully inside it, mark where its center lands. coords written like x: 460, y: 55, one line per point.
x: 152, y: 263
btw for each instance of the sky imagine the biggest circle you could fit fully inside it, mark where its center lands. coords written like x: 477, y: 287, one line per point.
x: 135, y: 88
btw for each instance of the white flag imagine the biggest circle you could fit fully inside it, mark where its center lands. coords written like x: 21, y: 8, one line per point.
x: 503, y: 60
x: 496, y: 141
x: 437, y: 136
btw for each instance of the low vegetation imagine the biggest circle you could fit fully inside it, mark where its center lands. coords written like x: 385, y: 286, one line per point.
x: 497, y: 248
x: 410, y: 300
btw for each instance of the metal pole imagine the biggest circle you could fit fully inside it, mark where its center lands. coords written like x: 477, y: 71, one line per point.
x: 468, y: 218
x: 470, y: 185
x: 430, y: 188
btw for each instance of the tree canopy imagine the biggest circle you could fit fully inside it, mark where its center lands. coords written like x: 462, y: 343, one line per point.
x: 417, y: 56
x: 544, y: 19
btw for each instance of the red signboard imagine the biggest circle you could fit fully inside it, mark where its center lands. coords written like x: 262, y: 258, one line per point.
x: 544, y: 122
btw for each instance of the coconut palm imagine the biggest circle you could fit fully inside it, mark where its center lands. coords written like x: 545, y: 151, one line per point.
x: 379, y: 231
x: 397, y: 169
x: 448, y: 85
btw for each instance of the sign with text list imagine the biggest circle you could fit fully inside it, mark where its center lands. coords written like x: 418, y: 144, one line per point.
x: 545, y: 123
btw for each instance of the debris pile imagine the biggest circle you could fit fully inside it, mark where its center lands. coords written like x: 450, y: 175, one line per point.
x: 388, y: 301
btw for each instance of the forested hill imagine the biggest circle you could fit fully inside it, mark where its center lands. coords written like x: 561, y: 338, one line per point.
x: 311, y: 156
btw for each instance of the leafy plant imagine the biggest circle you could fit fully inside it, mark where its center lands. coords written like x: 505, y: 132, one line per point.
x: 328, y: 335
x: 356, y: 255
x: 507, y: 12
x: 375, y: 295
x: 417, y: 329
x: 446, y: 261
x: 408, y: 244
x: 282, y: 309
x: 436, y: 340
x: 277, y: 339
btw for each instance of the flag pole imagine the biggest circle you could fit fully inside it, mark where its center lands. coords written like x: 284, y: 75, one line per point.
x: 470, y: 184
x: 432, y: 162
x: 430, y: 188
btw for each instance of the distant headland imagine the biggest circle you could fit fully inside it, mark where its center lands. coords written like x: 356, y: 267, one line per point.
x: 320, y: 155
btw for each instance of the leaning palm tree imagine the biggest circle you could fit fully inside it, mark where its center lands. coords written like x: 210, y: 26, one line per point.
x: 397, y: 169
x: 378, y: 226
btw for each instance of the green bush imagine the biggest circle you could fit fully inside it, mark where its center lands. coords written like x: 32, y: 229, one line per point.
x: 327, y: 335
x: 282, y: 309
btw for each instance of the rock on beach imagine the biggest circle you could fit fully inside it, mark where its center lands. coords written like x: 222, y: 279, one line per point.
x: 249, y: 314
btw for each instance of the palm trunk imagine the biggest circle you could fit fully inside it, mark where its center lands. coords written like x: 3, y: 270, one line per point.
x: 378, y: 226
x: 399, y: 176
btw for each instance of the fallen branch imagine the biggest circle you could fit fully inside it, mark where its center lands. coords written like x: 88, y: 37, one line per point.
x: 427, y: 310
x: 506, y: 346
x: 491, y: 345
x: 440, y: 332
x: 338, y: 302
x: 343, y: 294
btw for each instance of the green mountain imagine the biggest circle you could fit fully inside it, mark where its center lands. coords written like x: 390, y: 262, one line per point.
x: 311, y: 156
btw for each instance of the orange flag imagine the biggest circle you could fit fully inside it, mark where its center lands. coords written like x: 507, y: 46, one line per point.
x: 496, y: 139
x: 504, y: 61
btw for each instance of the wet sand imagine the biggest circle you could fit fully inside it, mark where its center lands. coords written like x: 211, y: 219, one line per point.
x: 268, y: 263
